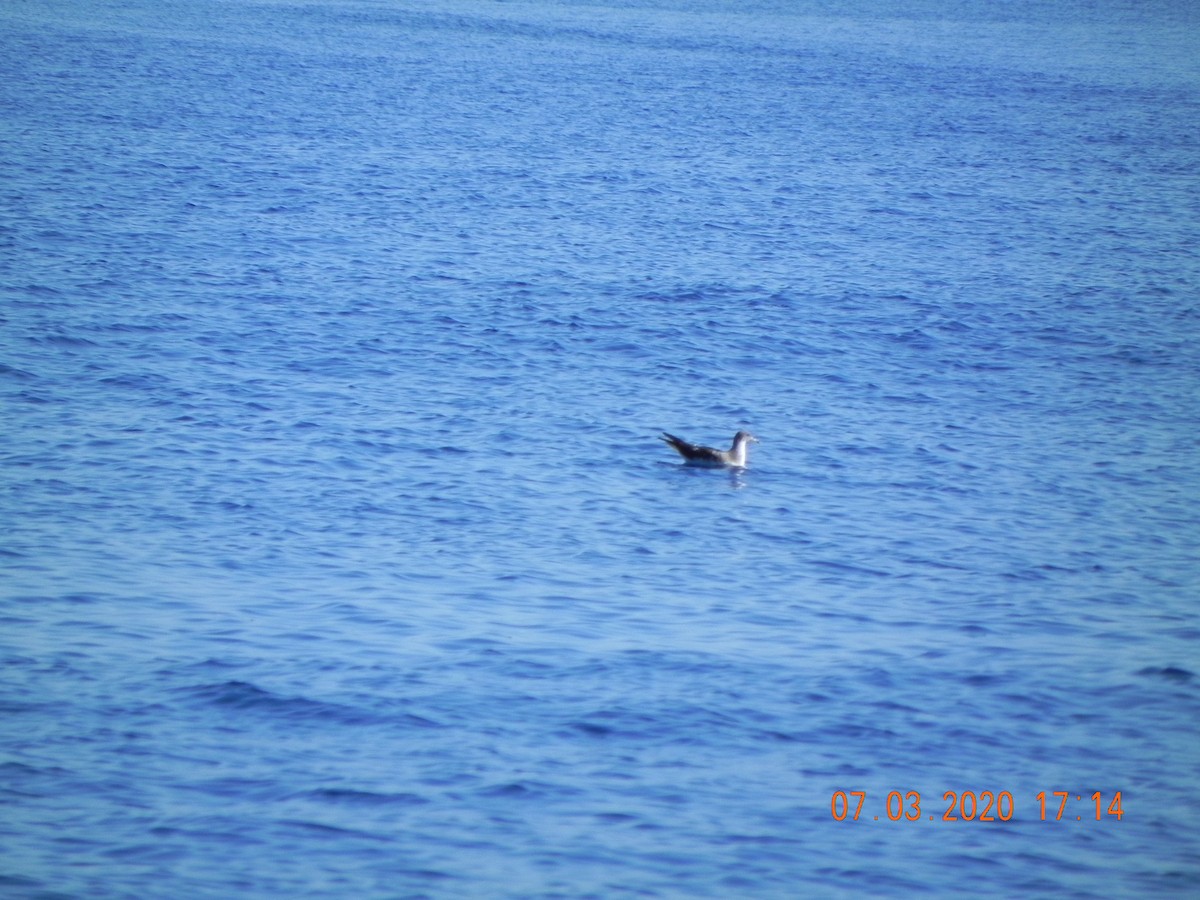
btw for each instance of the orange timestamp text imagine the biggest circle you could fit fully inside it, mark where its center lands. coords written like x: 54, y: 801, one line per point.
x: 977, y: 806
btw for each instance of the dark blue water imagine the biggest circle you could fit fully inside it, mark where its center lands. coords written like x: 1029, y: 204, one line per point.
x: 340, y: 557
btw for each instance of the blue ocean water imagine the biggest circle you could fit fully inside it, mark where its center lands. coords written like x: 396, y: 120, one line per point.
x: 340, y: 557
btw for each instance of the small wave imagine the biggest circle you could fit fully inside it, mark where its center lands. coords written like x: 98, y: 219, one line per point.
x: 529, y: 790
x: 333, y: 830
x: 138, y: 381
x: 13, y: 372
x: 246, y: 697
x: 351, y: 797
x: 1168, y: 673
x: 65, y: 340
x: 243, y: 696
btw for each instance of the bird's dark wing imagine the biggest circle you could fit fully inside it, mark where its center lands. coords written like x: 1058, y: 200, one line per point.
x: 693, y: 452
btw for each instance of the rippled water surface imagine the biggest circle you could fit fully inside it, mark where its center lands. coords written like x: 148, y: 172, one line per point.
x: 340, y: 557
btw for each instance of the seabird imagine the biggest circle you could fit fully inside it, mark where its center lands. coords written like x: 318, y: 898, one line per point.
x: 695, y: 455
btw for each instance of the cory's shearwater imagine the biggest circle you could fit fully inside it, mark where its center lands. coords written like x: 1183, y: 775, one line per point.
x: 695, y: 455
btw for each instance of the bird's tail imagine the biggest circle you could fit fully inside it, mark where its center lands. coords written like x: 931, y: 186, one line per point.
x: 677, y: 443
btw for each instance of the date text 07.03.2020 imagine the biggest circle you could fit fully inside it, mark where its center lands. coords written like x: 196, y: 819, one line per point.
x: 982, y: 806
